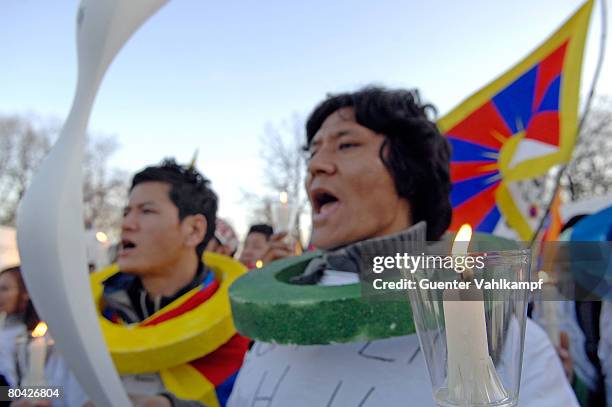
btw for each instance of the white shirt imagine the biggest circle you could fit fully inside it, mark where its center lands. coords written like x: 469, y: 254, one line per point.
x: 388, y: 372
x: 568, y: 323
x: 8, y: 336
x: 57, y: 372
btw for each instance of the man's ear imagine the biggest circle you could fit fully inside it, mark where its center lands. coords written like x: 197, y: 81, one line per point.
x: 194, y: 227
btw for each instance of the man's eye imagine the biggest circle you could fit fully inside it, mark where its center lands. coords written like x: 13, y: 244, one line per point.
x: 146, y: 210
x: 311, y: 154
x: 344, y: 146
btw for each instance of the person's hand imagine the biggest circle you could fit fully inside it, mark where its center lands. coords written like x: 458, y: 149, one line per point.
x: 30, y: 403
x: 565, y: 356
x: 278, y: 248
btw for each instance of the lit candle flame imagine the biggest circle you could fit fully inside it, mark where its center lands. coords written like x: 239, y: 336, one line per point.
x: 283, y: 197
x: 40, y: 330
x: 101, y: 237
x: 462, y: 240
x: 259, y: 264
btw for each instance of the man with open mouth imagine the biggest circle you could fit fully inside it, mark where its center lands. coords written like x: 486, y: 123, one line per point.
x: 167, y: 223
x: 378, y: 168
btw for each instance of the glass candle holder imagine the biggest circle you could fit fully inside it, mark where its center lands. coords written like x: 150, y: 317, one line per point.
x: 472, y: 334
x: 283, y: 214
x: 30, y: 372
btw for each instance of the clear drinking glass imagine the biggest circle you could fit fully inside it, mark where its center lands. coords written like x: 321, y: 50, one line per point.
x: 22, y: 358
x: 283, y: 214
x: 472, y: 339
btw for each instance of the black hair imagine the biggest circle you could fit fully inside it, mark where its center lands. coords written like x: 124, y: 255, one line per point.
x: 415, y: 153
x: 262, y: 228
x: 25, y: 308
x: 189, y: 191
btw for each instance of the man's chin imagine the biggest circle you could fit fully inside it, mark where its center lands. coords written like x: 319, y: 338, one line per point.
x: 329, y: 239
x: 325, y: 241
x: 129, y: 267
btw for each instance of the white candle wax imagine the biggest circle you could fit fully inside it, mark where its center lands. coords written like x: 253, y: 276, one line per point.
x: 37, y: 350
x: 472, y: 377
x: 282, y: 217
x: 550, y: 315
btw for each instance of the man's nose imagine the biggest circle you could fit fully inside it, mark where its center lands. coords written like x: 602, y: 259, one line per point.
x: 129, y: 222
x: 321, y: 163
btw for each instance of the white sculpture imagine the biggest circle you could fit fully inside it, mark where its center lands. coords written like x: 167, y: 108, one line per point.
x: 50, y: 228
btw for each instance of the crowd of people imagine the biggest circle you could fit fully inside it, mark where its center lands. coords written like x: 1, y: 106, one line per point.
x: 378, y: 167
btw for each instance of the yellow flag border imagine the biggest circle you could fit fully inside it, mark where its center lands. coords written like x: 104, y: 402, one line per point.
x: 198, y: 332
x: 574, y: 30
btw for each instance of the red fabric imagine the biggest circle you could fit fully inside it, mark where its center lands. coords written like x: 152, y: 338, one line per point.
x: 484, y: 126
x: 465, y: 170
x: 474, y: 210
x: 197, y: 299
x: 548, y: 70
x: 544, y: 127
x: 224, y: 362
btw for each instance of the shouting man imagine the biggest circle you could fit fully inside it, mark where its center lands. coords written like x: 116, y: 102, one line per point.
x: 378, y: 168
x: 169, y: 220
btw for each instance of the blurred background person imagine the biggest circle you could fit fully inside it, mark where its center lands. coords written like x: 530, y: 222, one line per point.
x: 256, y: 244
x: 20, y: 318
x: 225, y: 240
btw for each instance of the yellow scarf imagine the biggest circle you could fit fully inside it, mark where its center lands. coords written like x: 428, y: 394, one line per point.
x: 168, y: 346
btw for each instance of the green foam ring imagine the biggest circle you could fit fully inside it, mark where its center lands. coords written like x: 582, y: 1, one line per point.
x: 266, y: 307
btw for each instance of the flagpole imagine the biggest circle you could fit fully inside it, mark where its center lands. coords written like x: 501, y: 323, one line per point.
x: 585, y: 113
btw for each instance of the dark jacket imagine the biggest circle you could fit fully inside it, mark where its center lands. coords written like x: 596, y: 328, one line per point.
x: 126, y: 301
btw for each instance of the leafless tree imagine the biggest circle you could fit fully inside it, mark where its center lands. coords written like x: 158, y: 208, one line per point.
x: 104, y: 189
x: 284, y: 169
x: 23, y: 145
x: 260, y: 207
x: 590, y: 171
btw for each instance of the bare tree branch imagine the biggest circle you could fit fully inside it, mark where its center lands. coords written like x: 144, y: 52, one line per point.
x: 284, y: 169
x: 590, y: 171
x: 23, y: 145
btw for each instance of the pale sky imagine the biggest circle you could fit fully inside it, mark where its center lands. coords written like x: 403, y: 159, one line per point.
x: 211, y: 75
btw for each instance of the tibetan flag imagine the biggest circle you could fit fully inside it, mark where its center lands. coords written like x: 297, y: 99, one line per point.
x: 210, y: 378
x: 513, y: 130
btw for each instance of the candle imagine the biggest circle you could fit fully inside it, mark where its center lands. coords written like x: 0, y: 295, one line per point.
x: 549, y: 309
x: 37, y: 350
x: 472, y: 378
x: 282, y: 214
x: 2, y: 319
